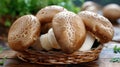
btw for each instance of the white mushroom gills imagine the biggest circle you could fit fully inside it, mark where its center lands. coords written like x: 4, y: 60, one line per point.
x: 88, y: 43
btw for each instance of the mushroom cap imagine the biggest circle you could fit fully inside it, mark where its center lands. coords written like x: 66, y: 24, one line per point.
x: 45, y: 15
x: 92, y: 9
x: 112, y: 11
x: 23, y: 32
x: 69, y: 31
x: 98, y: 25
x: 89, y: 4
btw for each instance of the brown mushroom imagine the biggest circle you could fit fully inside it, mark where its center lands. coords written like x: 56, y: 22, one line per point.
x: 98, y: 25
x: 112, y: 12
x: 90, y: 6
x: 69, y: 31
x: 23, y: 32
x: 45, y: 16
x: 92, y: 9
x: 48, y: 41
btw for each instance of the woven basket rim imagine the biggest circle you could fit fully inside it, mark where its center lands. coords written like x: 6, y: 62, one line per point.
x: 52, y: 57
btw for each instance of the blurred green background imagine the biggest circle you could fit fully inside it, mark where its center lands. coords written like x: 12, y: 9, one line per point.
x: 10, y: 10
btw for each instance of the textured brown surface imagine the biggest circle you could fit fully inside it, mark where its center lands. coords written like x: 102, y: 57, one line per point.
x: 53, y: 57
x: 45, y: 15
x: 23, y: 32
x: 69, y: 31
x: 98, y: 25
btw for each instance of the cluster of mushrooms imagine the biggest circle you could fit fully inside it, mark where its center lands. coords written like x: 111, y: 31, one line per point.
x: 110, y: 11
x: 54, y: 27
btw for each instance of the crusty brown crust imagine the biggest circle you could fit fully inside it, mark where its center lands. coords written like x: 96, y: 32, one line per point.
x: 69, y: 31
x: 23, y: 32
x: 98, y: 25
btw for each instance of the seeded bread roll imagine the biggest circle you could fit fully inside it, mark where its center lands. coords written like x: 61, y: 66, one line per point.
x: 23, y: 32
x: 69, y: 31
x: 98, y: 25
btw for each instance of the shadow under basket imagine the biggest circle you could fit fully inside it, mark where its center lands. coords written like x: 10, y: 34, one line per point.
x: 58, y: 57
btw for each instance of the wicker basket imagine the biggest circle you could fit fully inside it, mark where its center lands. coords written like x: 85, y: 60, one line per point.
x: 55, y: 57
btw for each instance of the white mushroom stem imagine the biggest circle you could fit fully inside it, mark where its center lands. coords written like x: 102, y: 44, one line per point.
x: 88, y: 43
x: 47, y: 42
x: 37, y: 45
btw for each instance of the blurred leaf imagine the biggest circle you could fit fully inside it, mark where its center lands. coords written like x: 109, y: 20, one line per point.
x: 16, y: 8
x: 7, y: 23
x: 82, y: 1
x: 116, y: 59
x: 1, y: 49
x: 116, y: 49
x: 3, y: 60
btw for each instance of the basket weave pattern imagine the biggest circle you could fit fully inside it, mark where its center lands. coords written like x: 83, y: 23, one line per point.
x: 54, y: 57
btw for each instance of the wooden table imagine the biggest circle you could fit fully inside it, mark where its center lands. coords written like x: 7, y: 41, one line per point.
x: 103, y: 60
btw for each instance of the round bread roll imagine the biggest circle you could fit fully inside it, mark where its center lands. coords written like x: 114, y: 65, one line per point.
x: 112, y: 12
x: 69, y: 31
x: 45, y: 16
x: 98, y: 25
x: 23, y: 32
